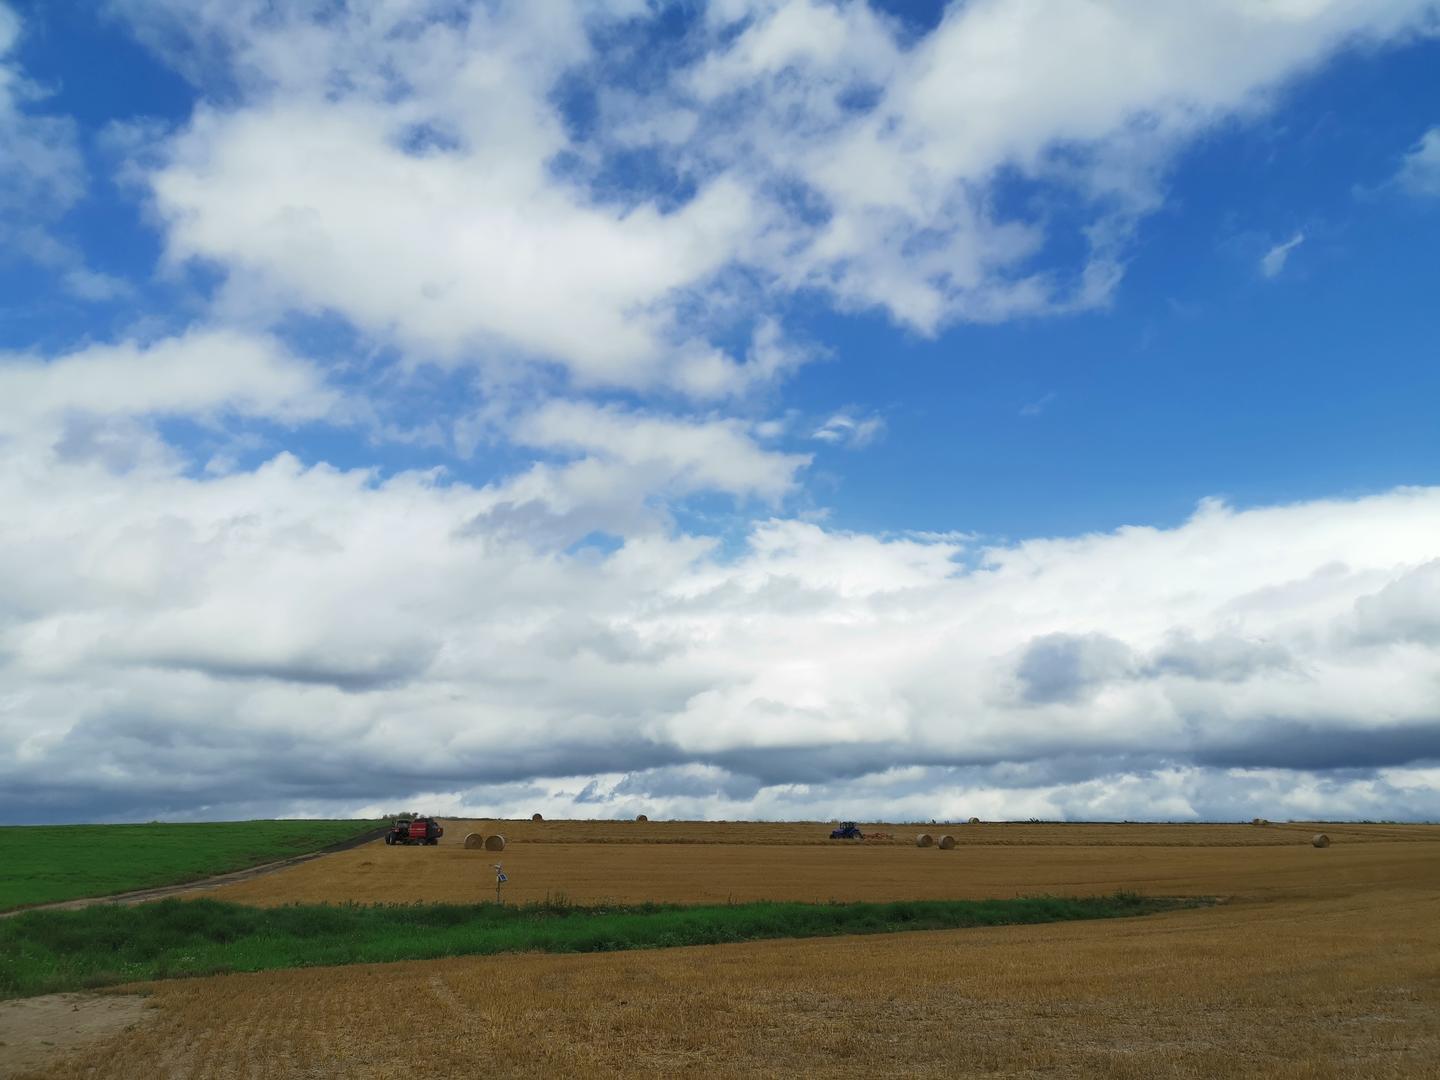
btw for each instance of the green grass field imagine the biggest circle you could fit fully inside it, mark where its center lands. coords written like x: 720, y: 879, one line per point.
x: 52, y: 951
x: 44, y: 863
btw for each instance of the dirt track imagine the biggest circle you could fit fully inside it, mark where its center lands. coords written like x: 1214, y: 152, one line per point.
x: 140, y: 896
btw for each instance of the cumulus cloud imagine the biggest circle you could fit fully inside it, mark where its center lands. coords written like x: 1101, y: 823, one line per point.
x: 412, y: 168
x: 199, y: 372
x: 1407, y: 609
x: 1000, y: 92
x: 1064, y: 667
x: 102, y: 405
x: 579, y: 628
x: 423, y: 204
x: 268, y: 636
x: 621, y: 471
x: 704, y: 455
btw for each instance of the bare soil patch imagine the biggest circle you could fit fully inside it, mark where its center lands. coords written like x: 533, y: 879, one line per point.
x: 36, y: 1032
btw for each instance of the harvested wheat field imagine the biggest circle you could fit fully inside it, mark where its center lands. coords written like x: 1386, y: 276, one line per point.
x: 1321, y: 963
x: 1198, y: 860
x: 1004, y: 834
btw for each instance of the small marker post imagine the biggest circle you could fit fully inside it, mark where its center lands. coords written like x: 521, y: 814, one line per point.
x: 500, y: 879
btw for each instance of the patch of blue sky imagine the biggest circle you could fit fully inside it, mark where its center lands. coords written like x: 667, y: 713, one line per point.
x: 92, y: 70
x: 713, y: 515
x: 596, y: 545
x: 1200, y: 378
x: 918, y: 17
x: 427, y: 139
x: 626, y: 177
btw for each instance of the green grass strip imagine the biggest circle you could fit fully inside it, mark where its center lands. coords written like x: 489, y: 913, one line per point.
x: 41, y: 864
x: 51, y: 951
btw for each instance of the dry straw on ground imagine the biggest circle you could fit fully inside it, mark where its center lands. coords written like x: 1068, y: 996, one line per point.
x: 798, y: 861
x: 946, y: 843
x: 1320, y: 840
x: 924, y: 840
x: 1311, y: 971
x: 474, y: 841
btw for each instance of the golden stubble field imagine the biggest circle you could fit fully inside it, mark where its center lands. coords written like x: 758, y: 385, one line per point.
x: 700, y: 862
x: 1321, y: 963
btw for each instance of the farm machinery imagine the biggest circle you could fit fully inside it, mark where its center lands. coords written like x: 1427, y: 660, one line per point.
x: 420, y: 830
x: 848, y: 830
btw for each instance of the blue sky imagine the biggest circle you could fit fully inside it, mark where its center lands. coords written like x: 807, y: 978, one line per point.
x: 730, y: 408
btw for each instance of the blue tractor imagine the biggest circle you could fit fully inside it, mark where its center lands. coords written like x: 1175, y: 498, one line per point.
x: 848, y: 830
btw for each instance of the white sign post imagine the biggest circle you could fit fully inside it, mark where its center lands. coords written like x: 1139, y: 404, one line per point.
x: 500, y: 879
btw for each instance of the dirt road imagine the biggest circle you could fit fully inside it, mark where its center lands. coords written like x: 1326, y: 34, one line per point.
x: 235, y: 877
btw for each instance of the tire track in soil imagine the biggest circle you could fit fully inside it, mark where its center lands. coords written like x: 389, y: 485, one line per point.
x: 160, y: 892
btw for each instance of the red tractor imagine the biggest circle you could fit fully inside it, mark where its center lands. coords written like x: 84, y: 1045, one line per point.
x: 420, y: 830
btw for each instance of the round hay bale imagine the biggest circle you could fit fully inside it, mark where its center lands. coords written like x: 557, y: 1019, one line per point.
x: 946, y: 843
x: 1259, y: 821
x: 924, y: 840
x: 1320, y: 840
x: 974, y: 821
x: 474, y: 841
x: 495, y: 842
x: 641, y: 817
x: 536, y: 817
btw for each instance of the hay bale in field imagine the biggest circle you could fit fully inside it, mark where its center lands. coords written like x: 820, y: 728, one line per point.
x: 946, y: 843
x: 924, y: 840
x: 974, y: 821
x: 495, y: 842
x: 474, y: 841
x: 536, y: 817
x: 641, y: 817
x: 1259, y: 821
x: 1320, y: 840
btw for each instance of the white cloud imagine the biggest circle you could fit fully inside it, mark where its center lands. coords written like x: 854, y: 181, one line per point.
x: 414, y: 174
x: 629, y: 471
x: 175, y: 641
x: 706, y: 455
x: 842, y: 429
x: 828, y: 45
x: 424, y: 207
x: 1420, y: 173
x: 1005, y: 90
x: 196, y: 374
x: 95, y: 285
x: 952, y: 795
x: 1273, y: 261
x: 184, y: 639
x: 449, y: 251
